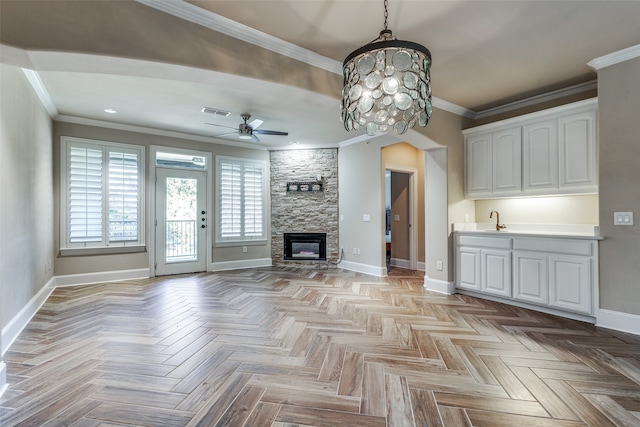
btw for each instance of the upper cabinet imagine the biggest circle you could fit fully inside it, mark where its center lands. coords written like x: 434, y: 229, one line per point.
x: 549, y: 152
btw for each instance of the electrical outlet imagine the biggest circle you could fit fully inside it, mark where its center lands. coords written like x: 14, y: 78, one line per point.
x: 355, y: 251
x: 439, y: 265
x: 244, y: 249
x: 358, y: 251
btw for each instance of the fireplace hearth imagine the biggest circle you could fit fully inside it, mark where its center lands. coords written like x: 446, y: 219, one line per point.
x: 305, y: 246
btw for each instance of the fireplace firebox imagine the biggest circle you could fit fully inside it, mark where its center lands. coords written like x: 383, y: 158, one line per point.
x: 305, y: 246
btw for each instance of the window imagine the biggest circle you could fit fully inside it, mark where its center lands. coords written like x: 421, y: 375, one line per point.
x: 241, y: 200
x: 102, y: 186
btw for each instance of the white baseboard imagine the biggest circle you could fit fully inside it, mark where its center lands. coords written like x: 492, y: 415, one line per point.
x: 363, y: 268
x: 238, y: 265
x: 11, y: 331
x: 101, y: 277
x: 440, y: 286
x: 3, y: 377
x: 619, y: 321
x: 402, y: 263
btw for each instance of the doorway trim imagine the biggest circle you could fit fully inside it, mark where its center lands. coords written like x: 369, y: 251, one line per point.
x: 413, y: 210
x: 151, y: 242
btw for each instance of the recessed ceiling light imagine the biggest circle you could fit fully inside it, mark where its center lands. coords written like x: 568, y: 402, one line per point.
x: 110, y: 110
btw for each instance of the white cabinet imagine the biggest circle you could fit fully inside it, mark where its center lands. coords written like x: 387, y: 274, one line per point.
x: 507, y: 161
x: 549, y: 152
x: 478, y: 165
x: 530, y: 277
x: 496, y: 272
x: 540, y: 156
x: 577, y: 152
x: 483, y: 264
x: 493, y: 163
x: 557, y: 273
x: 570, y: 283
x: 468, y: 262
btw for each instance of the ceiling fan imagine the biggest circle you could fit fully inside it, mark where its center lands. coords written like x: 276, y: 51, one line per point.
x: 249, y: 130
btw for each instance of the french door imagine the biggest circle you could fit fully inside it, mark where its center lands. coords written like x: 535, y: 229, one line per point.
x: 181, y: 221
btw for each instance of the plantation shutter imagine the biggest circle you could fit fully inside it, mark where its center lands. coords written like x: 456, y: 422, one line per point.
x: 253, y: 201
x: 85, y: 201
x: 241, y: 200
x: 103, y: 190
x: 123, y: 196
x: 230, y: 200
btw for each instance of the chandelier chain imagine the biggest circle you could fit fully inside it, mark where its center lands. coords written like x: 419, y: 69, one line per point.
x: 386, y: 13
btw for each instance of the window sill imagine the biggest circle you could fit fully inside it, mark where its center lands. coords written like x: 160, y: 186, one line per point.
x: 236, y: 243
x: 103, y: 250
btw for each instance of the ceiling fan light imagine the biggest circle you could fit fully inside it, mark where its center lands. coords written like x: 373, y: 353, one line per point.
x: 245, y: 136
x: 398, y: 72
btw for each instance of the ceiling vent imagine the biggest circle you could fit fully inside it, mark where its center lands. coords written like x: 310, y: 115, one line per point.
x: 216, y: 111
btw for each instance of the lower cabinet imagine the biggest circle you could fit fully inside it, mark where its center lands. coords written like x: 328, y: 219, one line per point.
x: 570, y: 283
x: 530, y: 277
x: 496, y: 272
x: 557, y: 273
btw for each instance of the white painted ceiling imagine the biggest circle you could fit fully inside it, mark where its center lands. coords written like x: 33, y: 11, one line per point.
x: 485, y: 54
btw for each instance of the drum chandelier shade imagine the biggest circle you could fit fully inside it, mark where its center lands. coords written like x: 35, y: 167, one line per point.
x: 387, y: 84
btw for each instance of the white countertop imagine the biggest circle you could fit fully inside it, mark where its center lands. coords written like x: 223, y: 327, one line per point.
x: 574, y: 231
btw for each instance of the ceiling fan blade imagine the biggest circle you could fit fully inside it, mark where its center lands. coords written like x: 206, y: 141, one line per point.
x: 255, y: 123
x: 254, y: 138
x: 270, y: 132
x: 222, y: 126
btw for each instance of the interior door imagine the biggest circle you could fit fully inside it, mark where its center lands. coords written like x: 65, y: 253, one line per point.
x: 181, y: 221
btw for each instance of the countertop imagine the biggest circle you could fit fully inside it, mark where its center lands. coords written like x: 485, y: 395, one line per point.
x: 568, y: 231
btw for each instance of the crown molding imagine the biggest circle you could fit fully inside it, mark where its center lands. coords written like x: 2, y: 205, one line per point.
x: 538, y: 99
x: 41, y: 91
x: 615, y: 58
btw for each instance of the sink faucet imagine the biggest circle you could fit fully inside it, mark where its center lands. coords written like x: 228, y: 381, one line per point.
x: 498, y: 225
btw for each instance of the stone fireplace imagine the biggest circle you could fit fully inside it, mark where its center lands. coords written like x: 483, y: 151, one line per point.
x: 304, y: 206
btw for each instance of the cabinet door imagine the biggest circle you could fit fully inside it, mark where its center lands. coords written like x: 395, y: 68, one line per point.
x: 540, y: 157
x: 478, y: 165
x: 570, y: 283
x: 530, y: 283
x: 496, y: 272
x: 507, y: 161
x: 468, y: 269
x: 577, y: 151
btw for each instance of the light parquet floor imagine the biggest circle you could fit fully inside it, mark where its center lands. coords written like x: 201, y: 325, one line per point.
x: 290, y: 347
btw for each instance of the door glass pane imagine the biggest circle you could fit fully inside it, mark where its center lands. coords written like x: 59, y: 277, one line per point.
x: 181, y: 219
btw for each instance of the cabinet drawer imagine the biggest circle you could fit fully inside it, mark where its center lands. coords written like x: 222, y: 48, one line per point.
x: 550, y: 245
x: 485, y: 242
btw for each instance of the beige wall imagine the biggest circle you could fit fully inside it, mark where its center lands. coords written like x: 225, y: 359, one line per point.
x: 581, y: 209
x: 89, y: 264
x: 26, y: 194
x: 619, y: 156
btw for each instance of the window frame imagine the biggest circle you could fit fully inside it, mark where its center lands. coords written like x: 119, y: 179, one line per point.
x: 104, y: 246
x: 243, y: 239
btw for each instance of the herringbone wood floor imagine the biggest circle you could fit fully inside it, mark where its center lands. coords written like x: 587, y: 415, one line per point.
x: 292, y: 347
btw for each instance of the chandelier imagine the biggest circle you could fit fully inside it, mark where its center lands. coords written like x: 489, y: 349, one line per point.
x: 387, y: 85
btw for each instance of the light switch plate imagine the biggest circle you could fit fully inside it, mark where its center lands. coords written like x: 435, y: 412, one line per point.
x: 623, y: 218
